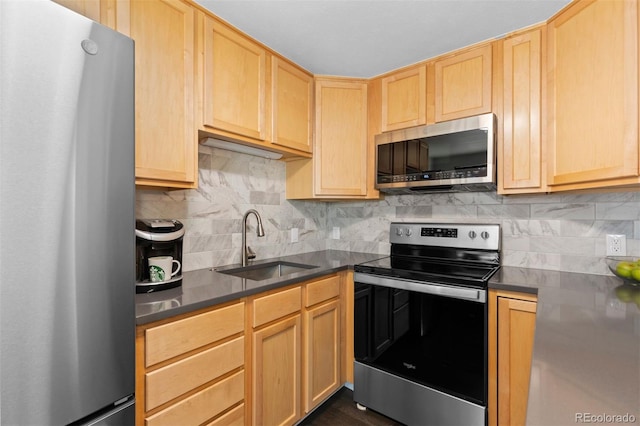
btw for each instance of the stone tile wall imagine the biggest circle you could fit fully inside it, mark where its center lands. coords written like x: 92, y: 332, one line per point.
x: 563, y: 232
x: 230, y: 184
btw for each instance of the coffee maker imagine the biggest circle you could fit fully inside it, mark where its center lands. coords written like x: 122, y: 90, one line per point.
x: 157, y: 237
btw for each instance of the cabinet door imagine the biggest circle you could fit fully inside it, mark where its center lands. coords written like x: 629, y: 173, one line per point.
x: 292, y: 106
x: 463, y: 84
x: 516, y: 327
x: 166, y: 145
x: 593, y: 93
x: 234, y: 82
x: 404, y: 99
x: 340, y: 157
x: 322, y: 343
x: 276, y: 373
x: 520, y: 154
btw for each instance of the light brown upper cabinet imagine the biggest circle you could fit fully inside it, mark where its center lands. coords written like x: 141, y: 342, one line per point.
x: 339, y: 167
x: 463, y: 84
x: 88, y: 8
x: 166, y: 145
x: 341, y: 137
x: 234, y: 82
x: 404, y: 98
x: 292, y: 106
x: 593, y: 95
x: 520, y: 153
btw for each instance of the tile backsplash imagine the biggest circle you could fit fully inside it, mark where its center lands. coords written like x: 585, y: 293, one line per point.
x: 563, y: 232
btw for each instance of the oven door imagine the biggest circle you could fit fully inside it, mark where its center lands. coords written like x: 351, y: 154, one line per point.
x: 420, y: 350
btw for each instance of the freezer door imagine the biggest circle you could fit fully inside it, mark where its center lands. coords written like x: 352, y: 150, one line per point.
x: 66, y: 215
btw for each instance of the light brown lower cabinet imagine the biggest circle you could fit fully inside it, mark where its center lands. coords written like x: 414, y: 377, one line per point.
x: 191, y: 369
x: 276, y: 372
x: 296, y: 350
x: 512, y: 319
x: 321, y: 341
x: 276, y: 335
x: 268, y: 359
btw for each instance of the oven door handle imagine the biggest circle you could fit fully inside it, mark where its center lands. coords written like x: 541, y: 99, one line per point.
x: 474, y: 295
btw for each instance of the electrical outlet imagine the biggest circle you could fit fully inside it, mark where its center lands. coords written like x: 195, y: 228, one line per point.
x: 616, y: 245
x: 294, y: 235
x: 336, y: 233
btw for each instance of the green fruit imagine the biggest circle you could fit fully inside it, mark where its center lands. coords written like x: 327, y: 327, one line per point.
x: 635, y: 273
x: 624, y: 293
x: 624, y: 269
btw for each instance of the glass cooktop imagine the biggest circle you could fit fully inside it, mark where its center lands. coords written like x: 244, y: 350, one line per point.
x: 455, y: 272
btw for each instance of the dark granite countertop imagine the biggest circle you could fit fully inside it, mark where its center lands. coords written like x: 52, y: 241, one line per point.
x: 206, y: 287
x: 586, y: 353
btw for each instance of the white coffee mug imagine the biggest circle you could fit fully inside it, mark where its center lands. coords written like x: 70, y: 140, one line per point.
x: 160, y: 268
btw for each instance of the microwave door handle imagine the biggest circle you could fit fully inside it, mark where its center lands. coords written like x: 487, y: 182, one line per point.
x: 464, y: 293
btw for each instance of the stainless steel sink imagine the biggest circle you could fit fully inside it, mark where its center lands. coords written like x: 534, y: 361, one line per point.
x: 265, y: 271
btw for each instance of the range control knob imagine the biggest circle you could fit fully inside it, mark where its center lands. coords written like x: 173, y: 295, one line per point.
x: 472, y: 234
x: 399, y: 232
x: 408, y: 232
x: 484, y: 235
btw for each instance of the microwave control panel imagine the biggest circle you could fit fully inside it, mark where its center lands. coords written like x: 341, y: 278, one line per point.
x: 480, y: 171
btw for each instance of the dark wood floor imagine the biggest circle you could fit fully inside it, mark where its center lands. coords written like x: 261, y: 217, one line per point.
x: 340, y: 410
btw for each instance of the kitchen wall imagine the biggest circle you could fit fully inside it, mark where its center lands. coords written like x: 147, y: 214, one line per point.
x: 559, y: 232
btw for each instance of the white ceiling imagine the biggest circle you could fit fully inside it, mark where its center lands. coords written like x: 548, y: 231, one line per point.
x: 365, y: 38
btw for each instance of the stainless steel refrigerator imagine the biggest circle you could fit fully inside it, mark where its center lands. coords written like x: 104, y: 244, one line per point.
x: 67, y: 264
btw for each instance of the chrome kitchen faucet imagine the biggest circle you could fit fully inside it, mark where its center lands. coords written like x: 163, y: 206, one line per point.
x: 247, y: 253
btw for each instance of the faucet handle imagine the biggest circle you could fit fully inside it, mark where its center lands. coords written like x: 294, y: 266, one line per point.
x: 250, y: 253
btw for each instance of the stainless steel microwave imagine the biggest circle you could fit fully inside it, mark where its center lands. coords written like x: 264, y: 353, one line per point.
x: 456, y: 155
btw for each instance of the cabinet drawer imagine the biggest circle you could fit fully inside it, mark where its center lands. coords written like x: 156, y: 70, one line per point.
x: 234, y: 417
x: 319, y: 291
x: 178, y: 337
x: 175, y: 379
x: 277, y: 305
x: 203, y: 405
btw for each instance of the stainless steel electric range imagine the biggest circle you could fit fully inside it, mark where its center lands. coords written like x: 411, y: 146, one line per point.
x: 420, y: 320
